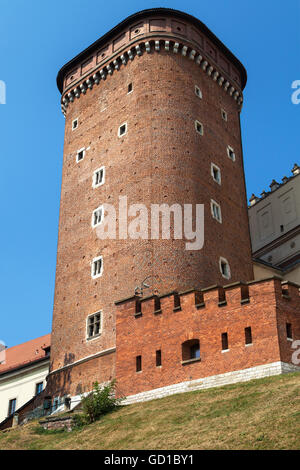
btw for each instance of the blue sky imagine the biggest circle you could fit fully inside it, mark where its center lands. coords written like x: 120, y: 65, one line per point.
x: 36, y: 39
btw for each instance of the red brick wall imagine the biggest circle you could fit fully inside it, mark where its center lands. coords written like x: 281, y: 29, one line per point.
x: 77, y: 379
x: 143, y: 335
x: 288, y: 312
x: 160, y: 160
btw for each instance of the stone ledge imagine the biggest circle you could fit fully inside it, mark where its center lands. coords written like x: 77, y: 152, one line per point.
x: 244, y: 375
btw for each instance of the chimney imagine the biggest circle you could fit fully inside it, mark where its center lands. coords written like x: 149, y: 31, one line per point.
x: 253, y: 200
x: 274, y: 185
x: 296, y: 169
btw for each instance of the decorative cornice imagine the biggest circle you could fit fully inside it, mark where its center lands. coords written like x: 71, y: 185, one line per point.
x: 114, y: 64
x: 149, y: 22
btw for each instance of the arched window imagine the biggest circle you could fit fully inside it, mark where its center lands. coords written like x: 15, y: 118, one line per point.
x: 190, y: 350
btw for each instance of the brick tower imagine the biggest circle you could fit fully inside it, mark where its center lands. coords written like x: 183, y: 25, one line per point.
x: 152, y: 113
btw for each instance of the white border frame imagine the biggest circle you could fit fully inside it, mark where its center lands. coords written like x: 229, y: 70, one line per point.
x: 94, y: 185
x: 212, y: 166
x: 198, y: 88
x: 212, y: 203
x: 126, y: 128
x: 226, y: 115
x: 92, y: 338
x: 228, y: 149
x: 99, y: 223
x: 202, y: 127
x: 224, y: 260
x: 92, y: 265
x: 74, y: 128
x: 128, y: 92
x: 83, y: 149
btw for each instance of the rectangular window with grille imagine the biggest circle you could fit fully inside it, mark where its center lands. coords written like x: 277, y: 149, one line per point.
x: 97, y: 267
x: 97, y: 216
x: 216, y: 211
x: 94, y: 325
x: 99, y: 177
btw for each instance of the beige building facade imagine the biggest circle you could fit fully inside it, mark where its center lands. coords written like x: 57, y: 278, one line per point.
x: 23, y: 373
x: 274, y: 220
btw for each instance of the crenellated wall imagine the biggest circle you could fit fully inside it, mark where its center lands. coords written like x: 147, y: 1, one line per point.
x: 164, y: 323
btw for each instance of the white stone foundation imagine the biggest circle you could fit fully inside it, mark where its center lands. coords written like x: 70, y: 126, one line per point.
x: 266, y: 370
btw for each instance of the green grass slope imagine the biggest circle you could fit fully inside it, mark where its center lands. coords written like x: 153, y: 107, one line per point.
x: 261, y: 414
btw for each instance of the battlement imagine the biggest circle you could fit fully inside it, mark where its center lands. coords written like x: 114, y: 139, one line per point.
x: 171, y: 339
x: 236, y: 294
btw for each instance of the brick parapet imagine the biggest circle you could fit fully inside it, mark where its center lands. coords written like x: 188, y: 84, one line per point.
x: 259, y: 305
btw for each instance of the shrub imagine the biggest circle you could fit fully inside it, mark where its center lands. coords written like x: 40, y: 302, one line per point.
x: 100, y: 401
x: 79, y: 420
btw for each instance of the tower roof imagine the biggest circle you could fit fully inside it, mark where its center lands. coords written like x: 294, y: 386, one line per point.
x: 142, y: 14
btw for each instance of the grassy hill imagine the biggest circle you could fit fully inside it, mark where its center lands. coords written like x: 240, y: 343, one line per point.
x: 261, y: 414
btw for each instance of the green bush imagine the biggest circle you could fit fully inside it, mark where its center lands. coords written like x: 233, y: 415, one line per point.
x: 99, y: 402
x: 79, y: 421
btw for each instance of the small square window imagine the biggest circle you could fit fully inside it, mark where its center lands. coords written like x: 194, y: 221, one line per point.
x: 225, y: 342
x: 138, y: 360
x: 224, y: 115
x: 216, y: 173
x: 248, y: 335
x: 289, y: 331
x: 97, y: 216
x: 216, y: 211
x: 199, y: 127
x: 97, y: 267
x: 230, y: 153
x: 80, y: 155
x: 198, y: 92
x: 74, y: 124
x: 122, y: 129
x: 39, y: 388
x: 98, y: 177
x: 190, y: 350
x: 94, y: 325
x: 158, y: 358
x: 224, y: 268
x: 130, y: 88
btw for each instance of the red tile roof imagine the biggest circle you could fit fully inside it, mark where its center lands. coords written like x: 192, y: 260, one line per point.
x: 25, y: 353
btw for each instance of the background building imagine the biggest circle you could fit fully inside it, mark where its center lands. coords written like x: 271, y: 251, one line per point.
x: 275, y: 229
x: 23, y: 374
